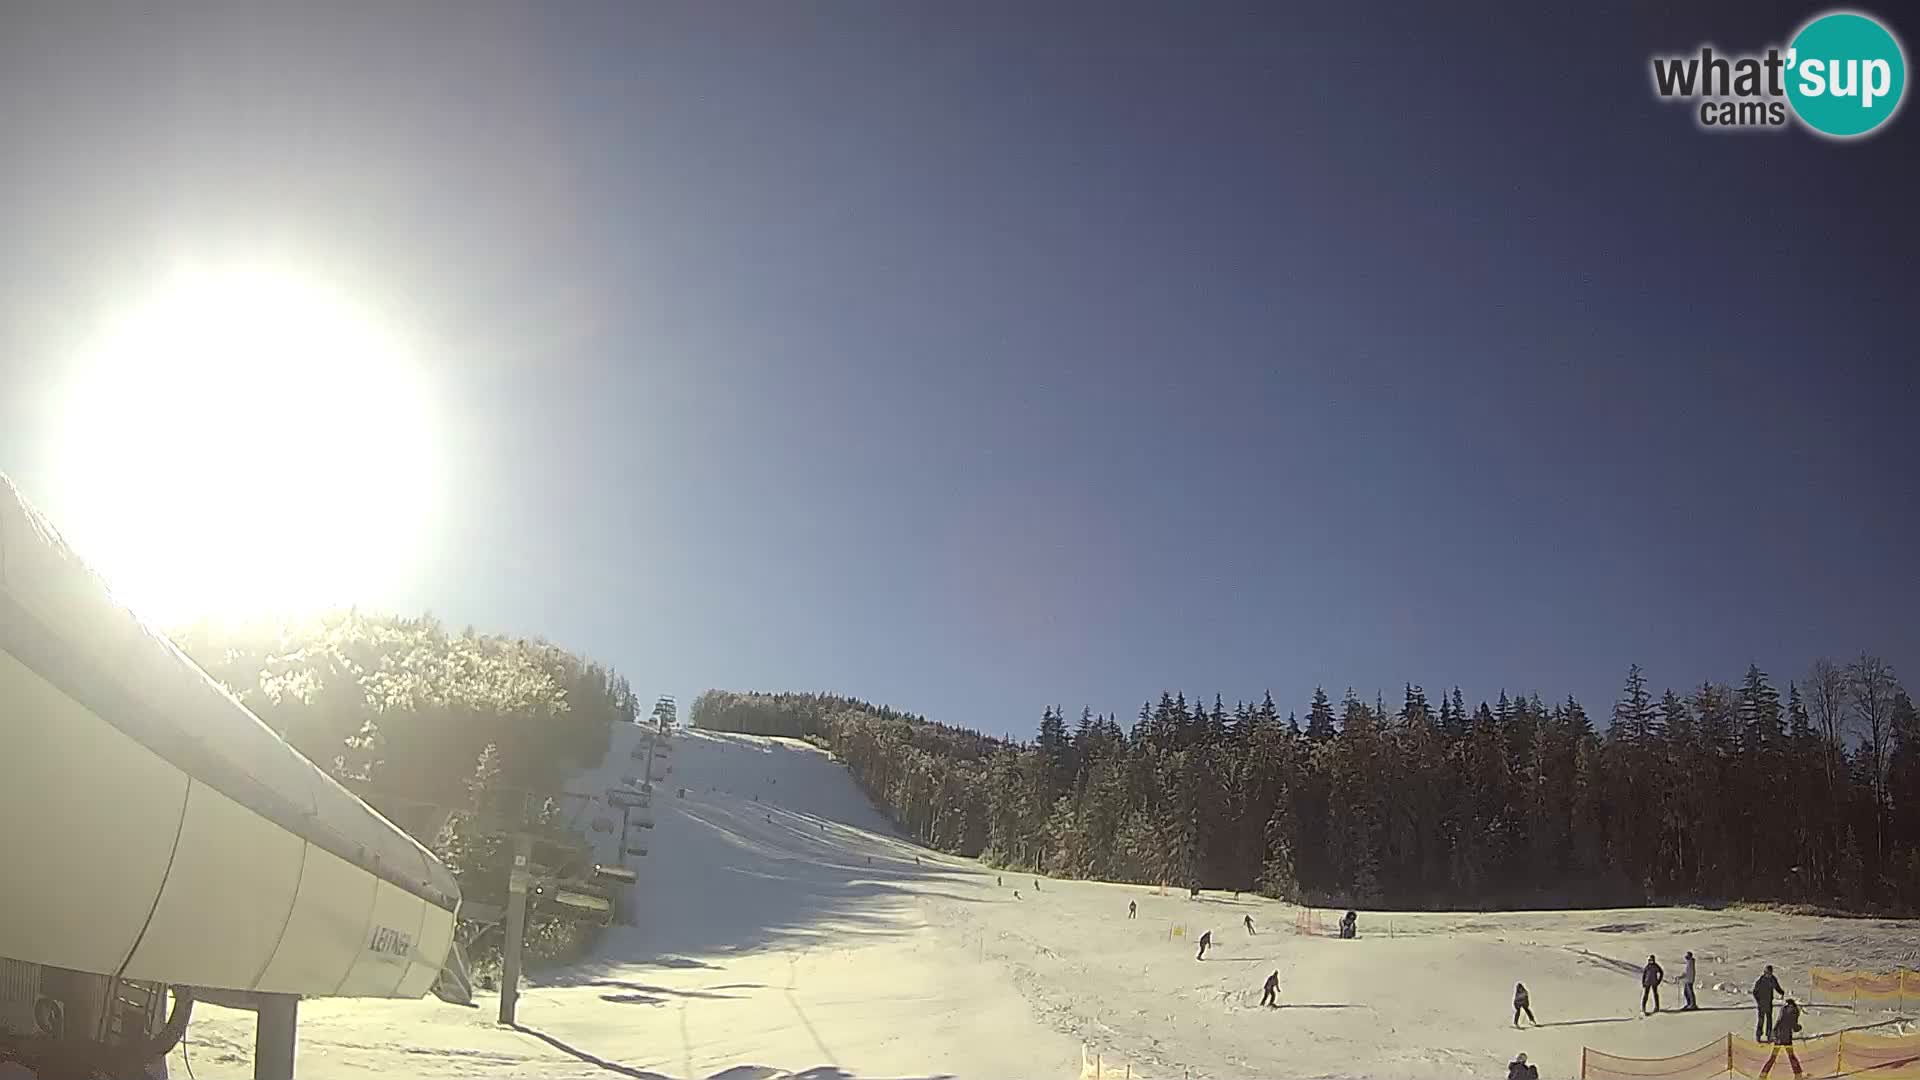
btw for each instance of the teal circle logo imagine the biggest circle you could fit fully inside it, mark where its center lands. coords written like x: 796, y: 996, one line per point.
x: 1846, y: 74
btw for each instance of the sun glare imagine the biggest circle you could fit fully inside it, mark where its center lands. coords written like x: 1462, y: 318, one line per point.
x: 243, y: 442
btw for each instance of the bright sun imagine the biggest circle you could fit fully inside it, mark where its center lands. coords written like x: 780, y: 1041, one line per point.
x: 243, y: 442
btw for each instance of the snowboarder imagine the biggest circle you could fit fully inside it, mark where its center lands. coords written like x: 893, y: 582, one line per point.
x: 1686, y: 985
x: 1133, y: 909
x: 1650, y: 978
x: 1268, y: 991
x: 1763, y: 990
x: 1518, y: 1069
x: 1522, y: 1004
x: 1248, y: 919
x: 1206, y: 939
x: 1350, y: 925
x: 1036, y: 884
x: 1783, y: 1030
x: 1016, y: 894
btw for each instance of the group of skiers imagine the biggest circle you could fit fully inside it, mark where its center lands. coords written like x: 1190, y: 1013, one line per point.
x: 1769, y: 1029
x: 1778, y: 1031
x: 1652, y: 975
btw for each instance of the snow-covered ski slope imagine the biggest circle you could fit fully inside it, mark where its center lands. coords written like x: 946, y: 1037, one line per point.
x: 768, y: 945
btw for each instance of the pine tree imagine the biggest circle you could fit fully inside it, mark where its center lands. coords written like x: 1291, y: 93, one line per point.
x: 1320, y: 717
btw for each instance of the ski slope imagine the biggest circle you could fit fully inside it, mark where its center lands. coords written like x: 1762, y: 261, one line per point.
x: 785, y: 929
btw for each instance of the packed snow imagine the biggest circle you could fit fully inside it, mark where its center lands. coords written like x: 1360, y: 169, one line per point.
x: 784, y: 928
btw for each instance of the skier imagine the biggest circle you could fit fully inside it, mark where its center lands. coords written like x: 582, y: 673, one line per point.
x: 1268, y: 991
x: 1249, y: 921
x: 1763, y: 990
x: 1518, y: 1069
x: 1522, y: 1004
x: 1016, y: 894
x: 1036, y: 884
x: 1686, y: 985
x: 1650, y: 979
x: 1133, y: 910
x: 1206, y: 939
x: 1783, y: 1030
x: 998, y: 881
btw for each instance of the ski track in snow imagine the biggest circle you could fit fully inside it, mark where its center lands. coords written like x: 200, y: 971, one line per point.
x: 794, y: 935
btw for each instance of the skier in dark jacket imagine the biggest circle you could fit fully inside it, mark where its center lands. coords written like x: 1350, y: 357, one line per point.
x: 1650, y: 979
x: 1268, y: 991
x: 1522, y: 1004
x: 1206, y: 940
x: 1518, y: 1069
x: 1764, y: 988
x: 1249, y: 921
x: 1783, y: 1032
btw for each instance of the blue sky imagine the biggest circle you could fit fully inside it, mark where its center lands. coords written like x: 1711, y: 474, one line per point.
x: 979, y: 357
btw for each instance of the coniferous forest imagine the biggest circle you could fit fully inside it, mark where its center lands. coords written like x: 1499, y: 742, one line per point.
x: 1719, y: 793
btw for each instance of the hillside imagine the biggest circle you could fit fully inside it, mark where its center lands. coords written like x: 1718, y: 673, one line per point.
x: 768, y: 945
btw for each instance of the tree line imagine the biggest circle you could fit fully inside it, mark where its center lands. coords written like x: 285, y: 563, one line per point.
x: 429, y: 727
x: 1724, y: 792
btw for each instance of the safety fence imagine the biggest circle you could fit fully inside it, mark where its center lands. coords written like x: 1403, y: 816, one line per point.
x: 1847, y: 1054
x: 1094, y: 1067
x: 1835, y: 987
x: 1307, y: 921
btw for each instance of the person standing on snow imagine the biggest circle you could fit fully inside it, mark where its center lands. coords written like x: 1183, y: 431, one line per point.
x: 1522, y: 1004
x: 1763, y: 990
x: 1133, y: 910
x: 1783, y: 1031
x: 1518, y: 1069
x: 1651, y: 977
x: 1686, y: 985
x: 1206, y: 939
x: 1268, y: 992
x: 1249, y: 921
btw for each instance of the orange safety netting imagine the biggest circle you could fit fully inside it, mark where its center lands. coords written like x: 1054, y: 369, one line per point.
x: 1817, y: 1057
x: 1875, y: 986
x: 1707, y: 1063
x: 1847, y: 1054
x: 1830, y: 984
x: 1880, y: 1057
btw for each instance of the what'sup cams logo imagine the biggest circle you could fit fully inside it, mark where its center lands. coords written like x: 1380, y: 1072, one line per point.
x: 1842, y: 76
